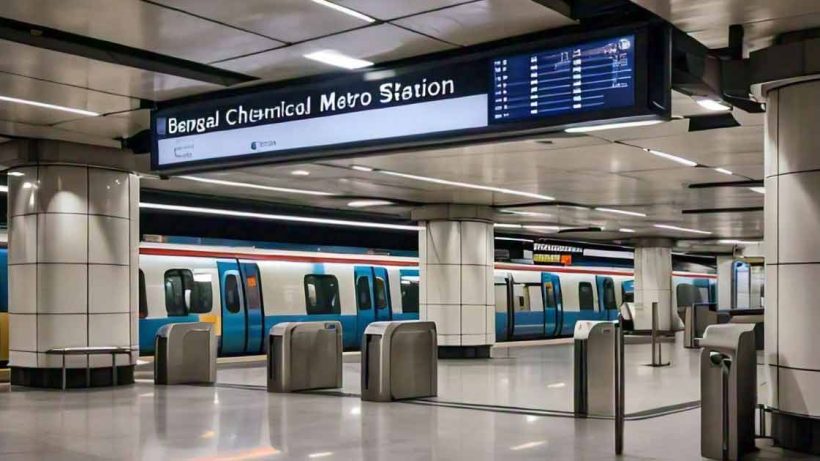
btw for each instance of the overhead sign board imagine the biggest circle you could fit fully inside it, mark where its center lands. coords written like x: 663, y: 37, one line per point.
x: 495, y: 93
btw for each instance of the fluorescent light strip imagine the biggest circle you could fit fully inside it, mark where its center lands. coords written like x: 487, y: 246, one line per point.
x: 513, y: 239
x: 545, y: 228
x: 626, y: 230
x: 467, y: 185
x: 713, y: 104
x: 49, y: 106
x: 674, y: 158
x: 738, y: 242
x: 507, y: 226
x: 526, y: 213
x: 724, y: 171
x: 4, y: 189
x: 628, y: 213
x: 759, y: 190
x: 361, y: 168
x: 275, y: 217
x: 682, y: 229
x: 368, y: 203
x: 334, y: 58
x: 345, y: 10
x: 611, y: 126
x: 288, y: 190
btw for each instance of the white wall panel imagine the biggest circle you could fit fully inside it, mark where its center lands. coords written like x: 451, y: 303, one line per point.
x: 23, y: 239
x: 108, y: 240
x: 61, y: 330
x: 22, y: 193
x: 23, y: 288
x: 443, y: 284
x: 62, y: 289
x: 63, y: 189
x: 447, y: 318
x: 443, y: 242
x: 473, y: 242
x: 474, y: 285
x: 797, y: 149
x: 798, y: 391
x: 798, y: 217
x: 109, y: 291
x: 108, y: 193
x: 62, y: 238
x: 22, y: 359
x: 23, y: 332
x: 799, y: 290
x: 473, y: 320
x: 770, y: 224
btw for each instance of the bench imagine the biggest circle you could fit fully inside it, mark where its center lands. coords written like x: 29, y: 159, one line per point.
x: 104, y: 350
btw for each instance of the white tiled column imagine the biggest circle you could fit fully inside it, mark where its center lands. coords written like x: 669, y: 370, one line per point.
x: 792, y: 211
x: 725, y: 287
x: 653, y: 283
x: 73, y: 262
x: 456, y: 283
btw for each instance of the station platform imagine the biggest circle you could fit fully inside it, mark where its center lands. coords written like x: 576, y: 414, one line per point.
x: 514, y: 406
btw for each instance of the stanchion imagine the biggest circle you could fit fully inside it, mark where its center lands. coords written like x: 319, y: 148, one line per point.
x: 657, y: 357
x: 619, y: 386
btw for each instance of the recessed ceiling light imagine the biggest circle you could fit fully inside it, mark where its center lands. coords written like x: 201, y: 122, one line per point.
x: 16, y: 173
x: 255, y: 186
x: 738, y: 242
x: 759, y: 190
x: 723, y: 170
x: 624, y: 212
x: 361, y: 168
x: 674, y: 158
x: 682, y: 229
x: 507, y: 226
x: 525, y: 213
x: 49, y: 106
x: 627, y: 230
x: 274, y: 217
x: 611, y: 126
x: 713, y: 104
x: 345, y: 10
x: 469, y: 185
x: 367, y: 203
x: 334, y: 58
x: 542, y: 228
x: 300, y: 173
x: 513, y: 239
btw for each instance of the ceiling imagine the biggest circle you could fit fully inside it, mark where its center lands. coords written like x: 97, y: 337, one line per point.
x: 266, y: 40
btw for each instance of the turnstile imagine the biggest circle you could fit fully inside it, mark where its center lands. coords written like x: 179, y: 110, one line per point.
x: 594, y: 368
x: 728, y: 388
x: 695, y: 320
x: 304, y: 355
x: 185, y: 353
x: 399, y: 361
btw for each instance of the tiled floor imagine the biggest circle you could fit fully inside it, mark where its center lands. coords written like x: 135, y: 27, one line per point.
x: 237, y: 420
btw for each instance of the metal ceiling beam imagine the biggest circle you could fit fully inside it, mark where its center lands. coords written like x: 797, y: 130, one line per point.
x: 746, y: 209
x: 114, y: 53
x: 709, y: 185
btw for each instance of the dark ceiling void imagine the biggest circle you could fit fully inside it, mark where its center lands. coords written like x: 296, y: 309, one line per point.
x: 746, y: 209
x: 114, y: 53
x: 711, y: 185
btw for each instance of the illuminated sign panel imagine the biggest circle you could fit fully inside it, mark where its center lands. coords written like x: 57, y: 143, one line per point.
x: 496, y: 93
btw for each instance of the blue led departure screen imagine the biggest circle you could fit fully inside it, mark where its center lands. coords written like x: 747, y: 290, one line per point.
x: 591, y: 76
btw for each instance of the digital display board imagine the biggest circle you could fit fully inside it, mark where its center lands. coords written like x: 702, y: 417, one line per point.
x: 590, y: 76
x: 489, y: 95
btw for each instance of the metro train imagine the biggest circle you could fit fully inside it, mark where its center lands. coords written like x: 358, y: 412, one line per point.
x: 245, y: 291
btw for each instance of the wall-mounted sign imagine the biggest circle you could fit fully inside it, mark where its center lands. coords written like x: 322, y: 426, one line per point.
x: 491, y: 93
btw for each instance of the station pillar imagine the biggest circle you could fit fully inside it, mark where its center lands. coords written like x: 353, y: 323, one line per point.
x: 456, y: 256
x: 73, y: 235
x: 792, y: 257
x: 725, y: 285
x: 653, y: 279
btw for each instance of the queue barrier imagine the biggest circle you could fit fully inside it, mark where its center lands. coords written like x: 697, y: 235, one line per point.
x: 399, y: 360
x: 185, y: 353
x: 304, y: 356
x: 594, y: 368
x: 728, y: 388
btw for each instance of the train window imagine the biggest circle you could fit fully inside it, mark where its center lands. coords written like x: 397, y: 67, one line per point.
x: 143, y: 302
x: 322, y: 294
x: 686, y: 294
x: 586, y: 301
x: 410, y: 295
x: 202, y: 298
x: 232, y: 303
x: 178, y: 286
x: 549, y: 290
x: 253, y: 290
x: 609, y: 294
x: 363, y: 301
x: 627, y: 296
x: 381, y: 293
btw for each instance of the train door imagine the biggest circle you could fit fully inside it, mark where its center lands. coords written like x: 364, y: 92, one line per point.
x: 607, y: 303
x: 529, y: 316
x: 372, y: 297
x: 254, y: 308
x: 503, y: 307
x: 233, y: 308
x: 553, y: 304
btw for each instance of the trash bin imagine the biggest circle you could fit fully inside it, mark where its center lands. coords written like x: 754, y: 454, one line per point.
x: 728, y: 388
x: 594, y: 368
x: 304, y: 356
x: 399, y: 361
x: 185, y: 353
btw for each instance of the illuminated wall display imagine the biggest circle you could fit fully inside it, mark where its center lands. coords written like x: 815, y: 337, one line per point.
x: 500, y: 92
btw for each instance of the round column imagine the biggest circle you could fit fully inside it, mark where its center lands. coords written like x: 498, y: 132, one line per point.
x: 792, y: 211
x: 73, y: 262
x: 653, y: 282
x: 456, y: 255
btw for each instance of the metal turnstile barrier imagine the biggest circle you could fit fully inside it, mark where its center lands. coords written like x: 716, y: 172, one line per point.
x: 185, y: 353
x: 399, y: 361
x: 695, y: 320
x: 304, y: 356
x: 728, y: 388
x: 594, y: 368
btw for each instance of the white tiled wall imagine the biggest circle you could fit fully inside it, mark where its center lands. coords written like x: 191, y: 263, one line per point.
x: 73, y: 256
x: 653, y: 279
x: 456, y: 279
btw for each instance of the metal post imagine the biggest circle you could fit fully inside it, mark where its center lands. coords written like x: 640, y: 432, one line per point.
x: 724, y: 381
x: 619, y: 386
x: 657, y: 359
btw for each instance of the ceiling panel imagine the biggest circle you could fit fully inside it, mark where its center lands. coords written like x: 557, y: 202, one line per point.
x: 52, y: 93
x: 285, y: 20
x: 486, y: 20
x: 73, y: 70
x: 380, y: 43
x: 112, y: 126
x: 24, y: 130
x: 391, y: 9
x: 141, y: 25
x: 710, y: 147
